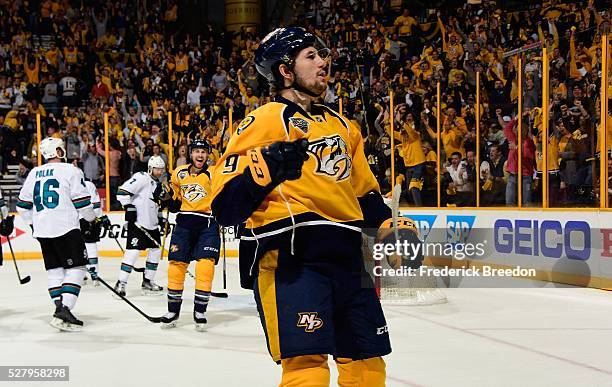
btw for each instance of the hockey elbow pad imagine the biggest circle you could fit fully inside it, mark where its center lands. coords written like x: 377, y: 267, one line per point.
x: 277, y: 162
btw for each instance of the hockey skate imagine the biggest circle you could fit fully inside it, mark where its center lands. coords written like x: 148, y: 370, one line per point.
x: 64, y: 320
x: 200, y: 321
x: 119, y: 288
x: 150, y: 288
x: 169, y: 320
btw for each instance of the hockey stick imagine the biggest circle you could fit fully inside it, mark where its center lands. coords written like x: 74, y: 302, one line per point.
x: 224, y: 261
x: 213, y: 294
x: 24, y: 280
x: 119, y: 244
x: 395, y: 200
x: 166, y: 221
x: 152, y: 319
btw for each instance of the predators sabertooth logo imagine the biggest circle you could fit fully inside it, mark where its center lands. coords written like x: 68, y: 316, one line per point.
x: 310, y: 321
x: 193, y: 192
x: 332, y: 157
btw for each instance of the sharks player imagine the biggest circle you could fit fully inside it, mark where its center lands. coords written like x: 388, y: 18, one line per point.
x: 91, y: 232
x: 195, y: 237
x: 139, y: 197
x: 51, y: 200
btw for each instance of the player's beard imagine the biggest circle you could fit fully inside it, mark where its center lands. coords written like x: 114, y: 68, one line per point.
x: 316, y: 88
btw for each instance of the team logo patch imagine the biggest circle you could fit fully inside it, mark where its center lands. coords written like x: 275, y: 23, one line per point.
x: 182, y: 174
x: 248, y: 120
x: 174, y: 248
x: 193, y: 192
x: 310, y: 321
x: 299, y: 123
x: 332, y: 157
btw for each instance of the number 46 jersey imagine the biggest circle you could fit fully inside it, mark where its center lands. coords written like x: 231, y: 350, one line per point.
x: 51, y: 199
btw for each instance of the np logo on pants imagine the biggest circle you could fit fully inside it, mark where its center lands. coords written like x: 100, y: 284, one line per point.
x: 310, y: 321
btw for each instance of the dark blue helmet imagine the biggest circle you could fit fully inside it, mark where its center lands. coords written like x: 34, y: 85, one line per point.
x: 199, y: 143
x: 281, y: 46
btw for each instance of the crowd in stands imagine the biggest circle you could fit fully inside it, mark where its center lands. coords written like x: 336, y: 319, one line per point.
x: 72, y: 62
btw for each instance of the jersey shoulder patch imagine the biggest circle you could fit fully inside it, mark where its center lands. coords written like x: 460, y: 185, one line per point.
x: 299, y: 123
x: 246, y: 122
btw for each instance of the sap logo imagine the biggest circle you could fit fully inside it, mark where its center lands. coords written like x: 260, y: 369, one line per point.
x: 458, y: 228
x: 548, y: 239
x: 310, y: 321
x: 424, y: 222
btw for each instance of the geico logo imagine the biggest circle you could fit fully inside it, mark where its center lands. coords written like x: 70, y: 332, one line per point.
x: 548, y: 238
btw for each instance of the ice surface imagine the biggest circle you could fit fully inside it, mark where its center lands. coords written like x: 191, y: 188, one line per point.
x: 502, y: 337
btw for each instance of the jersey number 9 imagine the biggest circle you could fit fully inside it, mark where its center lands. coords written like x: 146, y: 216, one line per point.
x: 48, y: 197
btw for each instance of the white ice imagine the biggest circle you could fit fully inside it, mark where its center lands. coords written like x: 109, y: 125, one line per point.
x: 483, y: 337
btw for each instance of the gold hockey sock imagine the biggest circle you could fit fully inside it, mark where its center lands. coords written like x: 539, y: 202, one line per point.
x: 205, y: 271
x: 356, y: 373
x: 305, y: 371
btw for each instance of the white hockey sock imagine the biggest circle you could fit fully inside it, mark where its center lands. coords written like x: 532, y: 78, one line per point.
x: 129, y: 259
x: 71, y: 287
x: 55, y: 278
x: 92, y: 256
x: 153, y: 256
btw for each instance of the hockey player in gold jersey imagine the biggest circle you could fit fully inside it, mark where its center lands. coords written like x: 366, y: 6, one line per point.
x: 296, y: 173
x: 195, y: 237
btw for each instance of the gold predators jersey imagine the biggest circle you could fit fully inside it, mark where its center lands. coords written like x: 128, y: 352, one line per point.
x: 194, y: 193
x: 334, y: 176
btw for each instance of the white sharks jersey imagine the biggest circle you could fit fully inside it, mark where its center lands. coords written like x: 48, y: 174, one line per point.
x: 95, y: 198
x: 52, y: 198
x: 139, y: 191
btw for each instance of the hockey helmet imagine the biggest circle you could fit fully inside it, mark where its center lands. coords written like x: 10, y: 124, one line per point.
x: 281, y: 46
x: 200, y: 144
x: 49, y: 147
x: 156, y: 162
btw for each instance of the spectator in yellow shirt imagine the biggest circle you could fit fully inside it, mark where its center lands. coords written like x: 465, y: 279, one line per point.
x: 404, y: 23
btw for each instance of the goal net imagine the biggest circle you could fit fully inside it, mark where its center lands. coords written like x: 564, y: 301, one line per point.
x: 413, y: 289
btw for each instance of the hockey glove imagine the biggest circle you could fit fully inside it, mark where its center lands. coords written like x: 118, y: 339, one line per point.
x: 130, y: 213
x: 7, y: 225
x: 277, y: 162
x: 87, y: 228
x: 104, y: 221
x: 93, y: 273
x: 408, y: 236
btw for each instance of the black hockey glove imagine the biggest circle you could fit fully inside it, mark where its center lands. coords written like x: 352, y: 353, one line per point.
x: 87, y: 228
x: 280, y: 161
x: 104, y: 221
x: 130, y: 213
x: 93, y: 273
x: 163, y: 194
x: 7, y: 225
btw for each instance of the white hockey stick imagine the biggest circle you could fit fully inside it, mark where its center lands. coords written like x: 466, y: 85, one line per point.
x: 395, y: 200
